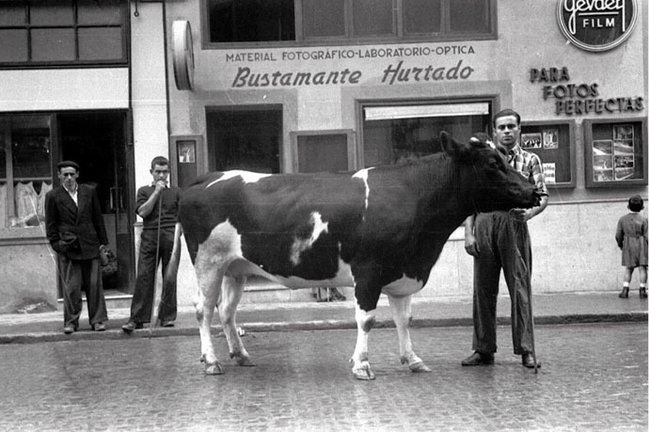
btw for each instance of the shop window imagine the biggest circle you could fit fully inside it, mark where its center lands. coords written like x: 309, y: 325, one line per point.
x: 616, y: 152
x: 397, y: 133
x: 318, y: 151
x: 246, y: 138
x: 25, y: 170
x: 187, y: 152
x: 553, y: 142
x: 37, y: 32
x: 348, y: 21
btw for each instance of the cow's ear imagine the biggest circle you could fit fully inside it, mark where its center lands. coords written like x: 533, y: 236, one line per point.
x: 452, y: 147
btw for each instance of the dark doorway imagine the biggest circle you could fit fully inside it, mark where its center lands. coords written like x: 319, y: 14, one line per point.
x: 97, y: 141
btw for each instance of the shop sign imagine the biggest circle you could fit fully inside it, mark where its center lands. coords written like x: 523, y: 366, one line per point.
x: 597, y: 25
x: 580, y: 98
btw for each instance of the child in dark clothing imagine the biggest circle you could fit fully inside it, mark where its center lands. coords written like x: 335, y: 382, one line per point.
x: 631, y: 237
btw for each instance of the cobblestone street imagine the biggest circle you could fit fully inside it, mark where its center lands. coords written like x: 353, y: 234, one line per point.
x: 593, y: 378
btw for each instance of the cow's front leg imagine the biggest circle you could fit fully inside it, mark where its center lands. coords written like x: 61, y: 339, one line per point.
x: 209, y: 289
x: 231, y: 295
x: 360, y: 359
x: 401, y: 314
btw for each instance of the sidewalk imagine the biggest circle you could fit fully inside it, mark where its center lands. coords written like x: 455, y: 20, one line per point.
x: 561, y: 308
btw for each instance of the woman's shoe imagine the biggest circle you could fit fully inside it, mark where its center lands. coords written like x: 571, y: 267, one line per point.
x: 625, y: 293
x: 643, y: 292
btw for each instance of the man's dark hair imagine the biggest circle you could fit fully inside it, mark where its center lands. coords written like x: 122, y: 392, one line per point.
x: 635, y: 203
x: 67, y: 164
x: 505, y: 113
x: 159, y: 160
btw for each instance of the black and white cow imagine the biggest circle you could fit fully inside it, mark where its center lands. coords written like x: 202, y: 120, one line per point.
x: 379, y: 229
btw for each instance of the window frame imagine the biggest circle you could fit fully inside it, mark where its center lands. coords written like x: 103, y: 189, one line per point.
x: 352, y: 162
x: 587, y: 127
x: 349, y: 39
x: 491, y: 100
x: 572, y: 163
x: 31, y: 64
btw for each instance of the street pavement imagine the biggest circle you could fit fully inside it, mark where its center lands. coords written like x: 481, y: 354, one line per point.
x: 436, y: 312
x: 593, y: 378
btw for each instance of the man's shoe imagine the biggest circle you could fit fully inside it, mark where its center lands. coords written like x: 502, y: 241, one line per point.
x: 643, y: 292
x: 167, y: 324
x: 478, y: 358
x: 528, y: 361
x: 130, y: 326
x: 69, y: 329
x: 624, y: 293
x: 100, y: 326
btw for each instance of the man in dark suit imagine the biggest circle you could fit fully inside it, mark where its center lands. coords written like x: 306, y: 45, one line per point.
x: 75, y: 229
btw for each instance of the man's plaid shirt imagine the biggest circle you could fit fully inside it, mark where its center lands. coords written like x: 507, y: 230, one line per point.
x: 528, y: 165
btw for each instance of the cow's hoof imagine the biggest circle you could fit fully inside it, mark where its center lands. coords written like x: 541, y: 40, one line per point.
x: 213, y: 368
x: 364, y: 373
x: 242, y: 360
x: 419, y: 367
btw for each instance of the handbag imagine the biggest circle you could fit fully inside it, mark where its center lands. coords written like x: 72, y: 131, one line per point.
x: 108, y: 261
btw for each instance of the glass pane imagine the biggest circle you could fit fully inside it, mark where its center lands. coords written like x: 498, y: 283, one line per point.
x: 14, y: 45
x: 53, y: 44
x: 319, y: 153
x: 52, y: 13
x: 30, y: 147
x: 396, y: 141
x: 469, y: 16
x: 104, y: 12
x: 251, y: 20
x: 323, y: 18
x: 372, y: 17
x: 12, y: 14
x: 100, y: 43
x: 422, y: 16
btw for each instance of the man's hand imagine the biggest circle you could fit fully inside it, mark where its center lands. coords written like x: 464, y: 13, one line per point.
x: 160, y: 185
x: 521, y: 215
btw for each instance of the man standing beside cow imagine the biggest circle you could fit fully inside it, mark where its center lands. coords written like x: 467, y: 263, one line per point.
x: 157, y: 205
x: 500, y: 240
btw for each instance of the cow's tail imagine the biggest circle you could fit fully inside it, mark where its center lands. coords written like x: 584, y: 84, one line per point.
x: 174, y: 262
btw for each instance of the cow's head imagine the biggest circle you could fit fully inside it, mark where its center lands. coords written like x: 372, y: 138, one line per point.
x: 486, y: 178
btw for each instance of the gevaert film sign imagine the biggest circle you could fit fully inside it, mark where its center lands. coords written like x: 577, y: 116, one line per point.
x: 597, y: 25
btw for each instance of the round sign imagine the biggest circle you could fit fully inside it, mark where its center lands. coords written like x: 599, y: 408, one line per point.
x: 183, y: 54
x: 597, y: 25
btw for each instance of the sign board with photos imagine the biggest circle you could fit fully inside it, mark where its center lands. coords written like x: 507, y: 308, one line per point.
x: 615, y: 153
x: 553, y: 142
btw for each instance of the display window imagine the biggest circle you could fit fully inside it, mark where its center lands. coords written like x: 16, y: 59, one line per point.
x: 554, y: 144
x: 395, y: 133
x: 316, y: 22
x: 616, y: 152
x: 25, y: 170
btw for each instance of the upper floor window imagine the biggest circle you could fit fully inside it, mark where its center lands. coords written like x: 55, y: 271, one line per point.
x: 348, y: 21
x: 51, y: 32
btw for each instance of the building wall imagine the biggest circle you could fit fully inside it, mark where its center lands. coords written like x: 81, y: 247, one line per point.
x: 574, y: 248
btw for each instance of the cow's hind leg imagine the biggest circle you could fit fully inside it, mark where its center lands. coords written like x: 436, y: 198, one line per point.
x: 231, y: 295
x: 402, y: 316
x: 360, y: 359
x: 209, y: 278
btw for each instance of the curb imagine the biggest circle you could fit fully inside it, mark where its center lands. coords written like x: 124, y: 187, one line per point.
x: 115, y: 334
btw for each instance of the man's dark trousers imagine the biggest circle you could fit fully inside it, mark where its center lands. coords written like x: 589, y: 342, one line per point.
x: 503, y: 243
x: 141, y: 306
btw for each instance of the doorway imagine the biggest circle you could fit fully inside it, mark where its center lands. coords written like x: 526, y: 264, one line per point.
x: 97, y: 141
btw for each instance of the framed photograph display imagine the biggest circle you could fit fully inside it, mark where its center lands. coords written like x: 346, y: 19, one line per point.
x: 553, y: 142
x: 615, y: 152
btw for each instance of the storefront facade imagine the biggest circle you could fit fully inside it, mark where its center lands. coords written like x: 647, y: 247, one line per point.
x: 303, y: 86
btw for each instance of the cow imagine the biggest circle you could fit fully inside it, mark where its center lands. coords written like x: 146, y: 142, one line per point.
x: 379, y: 229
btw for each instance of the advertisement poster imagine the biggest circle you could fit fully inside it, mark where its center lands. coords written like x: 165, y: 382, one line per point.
x: 550, y: 172
x: 531, y: 140
x: 614, y: 160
